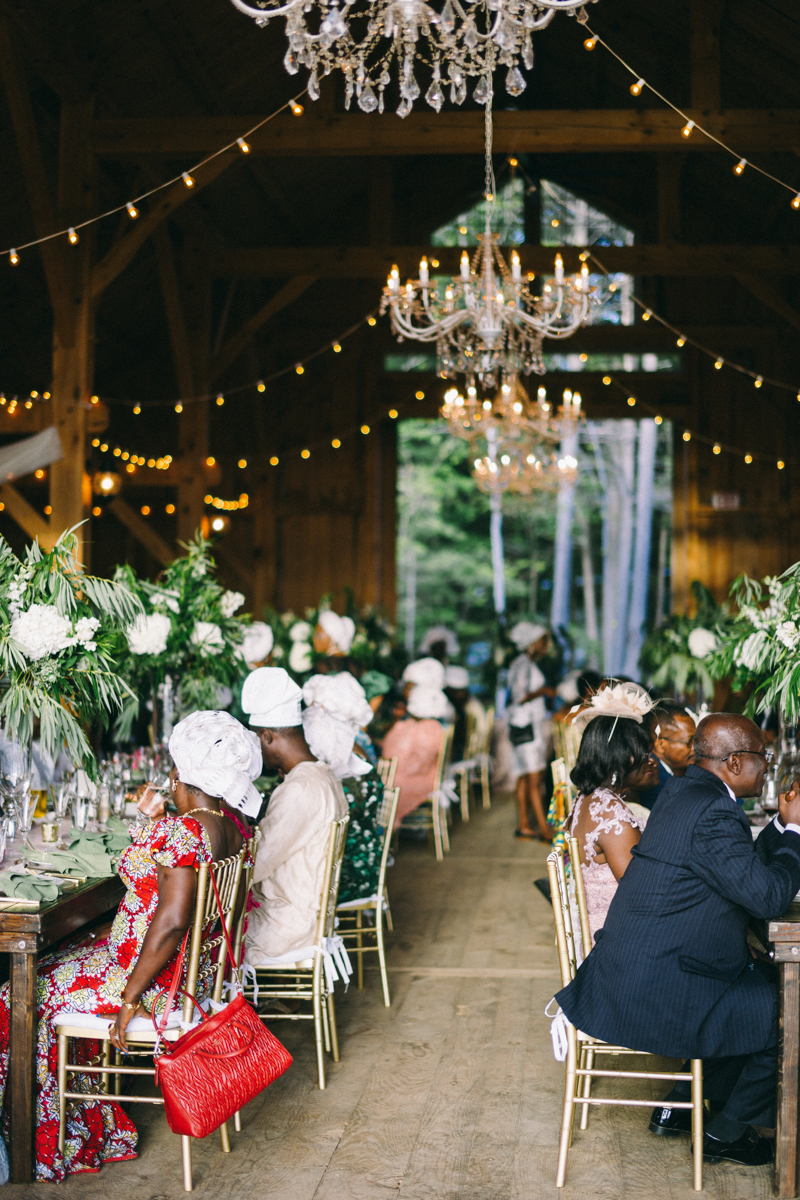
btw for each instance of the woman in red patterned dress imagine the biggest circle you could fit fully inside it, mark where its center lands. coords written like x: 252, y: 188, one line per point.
x: 120, y: 972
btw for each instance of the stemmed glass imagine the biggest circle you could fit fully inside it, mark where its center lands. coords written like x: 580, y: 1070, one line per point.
x: 15, y: 784
x: 61, y: 794
x: 80, y: 812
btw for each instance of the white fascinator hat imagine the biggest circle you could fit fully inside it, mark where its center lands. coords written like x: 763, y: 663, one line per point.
x: 629, y: 700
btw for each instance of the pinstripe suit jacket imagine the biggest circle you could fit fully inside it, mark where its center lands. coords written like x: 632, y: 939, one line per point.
x: 671, y: 972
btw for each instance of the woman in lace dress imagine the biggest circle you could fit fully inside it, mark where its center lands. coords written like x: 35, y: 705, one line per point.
x: 614, y: 764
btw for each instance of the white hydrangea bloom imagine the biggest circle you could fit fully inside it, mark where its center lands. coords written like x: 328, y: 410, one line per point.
x: 300, y: 632
x: 167, y: 600
x: 148, y: 634
x: 85, y: 629
x: 300, y: 657
x: 16, y: 590
x: 702, y: 642
x: 208, y: 636
x: 230, y: 602
x: 788, y: 633
x: 42, y: 630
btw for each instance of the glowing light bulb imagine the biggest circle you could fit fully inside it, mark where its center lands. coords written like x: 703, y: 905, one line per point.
x: 336, y: 443
x: 716, y: 449
x: 607, y: 380
x: 305, y: 454
x: 243, y: 145
x: 748, y: 458
x: 681, y: 341
x: 73, y: 237
x: 465, y: 266
x: 137, y: 409
x: 133, y: 211
x: 646, y: 315
x: 687, y: 437
x: 658, y: 420
x: 178, y: 408
x: 590, y: 43
x: 781, y: 464
x: 559, y: 269
x: 298, y: 111
x: 758, y: 382
x: 220, y: 400
x: 740, y: 166
x: 796, y: 201
x: 631, y: 401
x: 365, y: 429
x: 273, y: 462
x: 13, y: 257
x: 719, y: 364
x: 687, y: 129
x: 187, y: 179
x: 300, y: 369
x: 636, y: 88
x: 261, y: 386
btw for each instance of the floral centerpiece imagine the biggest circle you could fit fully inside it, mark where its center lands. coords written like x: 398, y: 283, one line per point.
x: 761, y: 649
x: 187, y: 644
x: 679, y: 656
x: 59, y: 630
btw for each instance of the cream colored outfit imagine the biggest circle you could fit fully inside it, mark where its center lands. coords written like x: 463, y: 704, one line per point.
x: 290, y: 862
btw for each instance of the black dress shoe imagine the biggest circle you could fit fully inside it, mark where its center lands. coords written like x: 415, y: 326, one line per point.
x: 749, y: 1150
x: 671, y: 1122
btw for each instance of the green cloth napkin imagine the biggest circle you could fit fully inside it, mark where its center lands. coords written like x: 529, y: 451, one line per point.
x: 27, y: 887
x: 86, y: 856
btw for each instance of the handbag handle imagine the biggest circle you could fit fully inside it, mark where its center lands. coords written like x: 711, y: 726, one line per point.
x: 230, y: 1053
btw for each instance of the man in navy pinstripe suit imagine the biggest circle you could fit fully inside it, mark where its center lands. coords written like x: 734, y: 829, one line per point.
x: 671, y: 972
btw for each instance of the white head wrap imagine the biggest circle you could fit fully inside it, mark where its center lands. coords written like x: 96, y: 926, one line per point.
x: 331, y: 739
x: 526, y: 632
x: 214, y: 752
x: 341, y: 695
x: 257, y: 643
x: 456, y: 677
x: 341, y: 630
x: 424, y: 701
x: 427, y: 672
x: 439, y: 633
x: 567, y: 690
x: 271, y: 699
x: 628, y: 700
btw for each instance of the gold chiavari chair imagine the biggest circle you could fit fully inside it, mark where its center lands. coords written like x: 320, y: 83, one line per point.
x: 363, y: 939
x: 482, y: 753
x: 140, y: 1033
x: 387, y: 769
x: 583, y: 1049
x: 238, y: 935
x: 432, y: 813
x: 310, y: 973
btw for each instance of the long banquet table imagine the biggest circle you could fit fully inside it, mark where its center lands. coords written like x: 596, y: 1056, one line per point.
x: 23, y: 935
x: 784, y: 943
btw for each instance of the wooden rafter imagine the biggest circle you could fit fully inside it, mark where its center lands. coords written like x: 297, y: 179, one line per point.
x: 170, y: 290
x: 144, y: 533
x: 538, y: 131
x: 29, y: 520
x: 235, y: 344
x: 367, y: 262
x: 771, y: 298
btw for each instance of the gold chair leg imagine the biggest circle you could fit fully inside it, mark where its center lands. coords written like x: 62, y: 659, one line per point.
x: 360, y: 945
x: 117, y: 1078
x: 332, y: 1025
x: 224, y: 1138
x: 382, y: 952
x: 587, y: 1087
x: 437, y: 830
x: 106, y: 1079
x: 697, y: 1122
x: 186, y: 1154
x: 237, y: 1121
x: 62, y: 1087
x: 443, y: 815
x: 326, y: 1033
x: 388, y: 910
x: 464, y: 795
x: 318, y: 1039
x: 566, y: 1116
x: 485, y: 792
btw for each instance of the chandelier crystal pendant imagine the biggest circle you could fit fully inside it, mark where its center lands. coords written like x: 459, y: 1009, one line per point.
x: 486, y: 322
x: 367, y: 38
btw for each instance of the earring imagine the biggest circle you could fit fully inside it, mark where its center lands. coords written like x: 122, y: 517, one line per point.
x: 614, y: 779
x: 174, y: 785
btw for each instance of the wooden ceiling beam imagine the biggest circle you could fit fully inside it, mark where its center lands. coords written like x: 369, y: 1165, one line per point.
x: 238, y: 341
x: 771, y: 298
x: 368, y: 262
x: 535, y: 131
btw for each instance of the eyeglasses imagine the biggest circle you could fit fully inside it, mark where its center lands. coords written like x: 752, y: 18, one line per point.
x: 767, y: 755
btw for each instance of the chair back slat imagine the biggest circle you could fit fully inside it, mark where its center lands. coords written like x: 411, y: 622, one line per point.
x: 443, y: 757
x: 227, y: 873
x: 565, y: 940
x: 386, y: 818
x: 486, y: 732
x: 330, y: 881
x: 580, y: 894
x: 387, y: 769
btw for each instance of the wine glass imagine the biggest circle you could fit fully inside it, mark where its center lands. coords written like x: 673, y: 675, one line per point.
x: 80, y: 812
x: 61, y: 794
x: 15, y: 784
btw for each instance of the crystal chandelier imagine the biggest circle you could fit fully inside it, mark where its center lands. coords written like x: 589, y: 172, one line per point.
x: 486, y: 322
x: 366, y: 38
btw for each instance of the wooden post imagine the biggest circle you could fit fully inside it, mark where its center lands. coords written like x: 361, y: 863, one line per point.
x: 705, y: 62
x: 670, y: 171
x: 193, y: 434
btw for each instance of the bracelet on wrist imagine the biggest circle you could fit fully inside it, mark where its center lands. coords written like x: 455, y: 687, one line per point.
x: 127, y: 1004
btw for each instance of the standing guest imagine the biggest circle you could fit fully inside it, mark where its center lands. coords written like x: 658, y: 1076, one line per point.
x: 416, y: 742
x: 290, y: 861
x: 527, y: 717
x: 672, y: 727
x: 614, y: 766
x: 469, y: 712
x: 671, y: 973
x: 440, y: 643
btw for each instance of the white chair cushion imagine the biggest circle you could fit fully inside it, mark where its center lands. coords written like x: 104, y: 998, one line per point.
x: 304, y: 959
x: 357, y: 903
x: 93, y: 1023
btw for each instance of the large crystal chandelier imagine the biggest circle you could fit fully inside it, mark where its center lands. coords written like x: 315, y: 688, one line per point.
x: 366, y: 38
x: 487, y: 322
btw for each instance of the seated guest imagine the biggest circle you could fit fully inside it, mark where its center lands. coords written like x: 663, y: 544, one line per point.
x: 672, y: 729
x: 671, y: 973
x: 336, y: 709
x: 614, y: 766
x: 439, y: 642
x: 376, y: 686
x: 415, y: 742
x: 120, y: 971
x: 290, y: 860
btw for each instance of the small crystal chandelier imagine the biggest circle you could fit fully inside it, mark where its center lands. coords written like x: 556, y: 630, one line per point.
x: 365, y: 38
x: 486, y: 322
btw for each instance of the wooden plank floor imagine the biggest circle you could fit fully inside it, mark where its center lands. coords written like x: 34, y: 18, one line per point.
x: 453, y: 1093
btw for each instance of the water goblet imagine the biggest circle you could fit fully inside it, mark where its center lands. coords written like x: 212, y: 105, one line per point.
x: 61, y: 794
x: 80, y: 812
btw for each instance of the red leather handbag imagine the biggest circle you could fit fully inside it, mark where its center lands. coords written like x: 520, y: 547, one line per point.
x: 220, y: 1065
